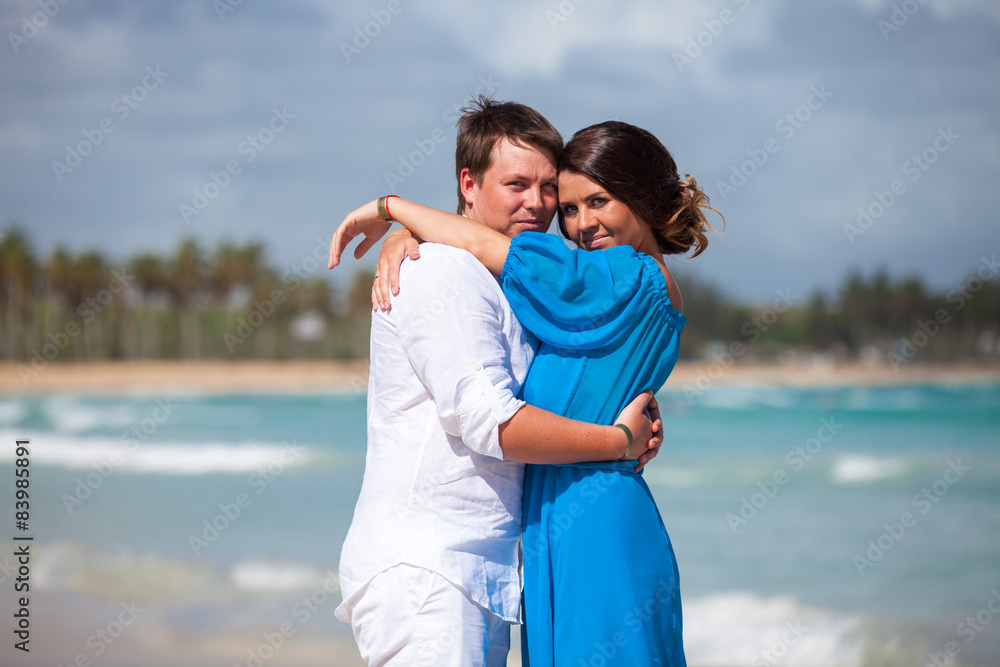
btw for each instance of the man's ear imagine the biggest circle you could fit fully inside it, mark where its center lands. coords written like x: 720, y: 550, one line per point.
x: 468, y: 184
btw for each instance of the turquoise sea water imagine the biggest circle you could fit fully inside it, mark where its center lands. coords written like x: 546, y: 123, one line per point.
x: 835, y: 526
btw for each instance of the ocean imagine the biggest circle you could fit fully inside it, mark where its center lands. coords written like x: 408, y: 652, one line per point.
x: 838, y: 526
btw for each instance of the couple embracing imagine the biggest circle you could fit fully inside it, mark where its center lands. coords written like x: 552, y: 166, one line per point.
x: 510, y: 406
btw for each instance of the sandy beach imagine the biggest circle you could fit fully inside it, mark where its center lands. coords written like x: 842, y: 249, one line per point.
x: 111, y: 377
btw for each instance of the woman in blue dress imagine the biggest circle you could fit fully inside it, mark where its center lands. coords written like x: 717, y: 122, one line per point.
x: 601, y: 584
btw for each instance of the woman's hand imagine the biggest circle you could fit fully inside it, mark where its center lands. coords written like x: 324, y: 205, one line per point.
x: 647, y: 429
x: 365, y: 220
x: 397, y: 246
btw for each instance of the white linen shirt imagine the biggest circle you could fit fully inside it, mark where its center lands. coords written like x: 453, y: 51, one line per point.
x: 447, y: 362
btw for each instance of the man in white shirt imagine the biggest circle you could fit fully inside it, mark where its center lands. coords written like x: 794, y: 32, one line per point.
x: 430, y: 569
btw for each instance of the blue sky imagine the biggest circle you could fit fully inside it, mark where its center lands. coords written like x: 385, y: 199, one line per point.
x: 125, y: 126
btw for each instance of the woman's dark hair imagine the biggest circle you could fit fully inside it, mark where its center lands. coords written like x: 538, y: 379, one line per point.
x: 635, y: 168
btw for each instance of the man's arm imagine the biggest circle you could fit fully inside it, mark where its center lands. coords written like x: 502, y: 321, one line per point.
x: 534, y: 435
x: 448, y: 324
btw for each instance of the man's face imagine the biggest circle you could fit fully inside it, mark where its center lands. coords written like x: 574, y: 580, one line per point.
x: 517, y: 192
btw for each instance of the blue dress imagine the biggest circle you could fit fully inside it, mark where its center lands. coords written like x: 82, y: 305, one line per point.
x: 600, y: 578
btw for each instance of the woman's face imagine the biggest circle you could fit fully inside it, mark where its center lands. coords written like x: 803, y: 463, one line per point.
x: 595, y: 219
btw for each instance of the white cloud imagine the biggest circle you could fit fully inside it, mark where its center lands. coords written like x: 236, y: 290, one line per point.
x: 606, y: 60
x: 989, y: 9
x: 530, y: 39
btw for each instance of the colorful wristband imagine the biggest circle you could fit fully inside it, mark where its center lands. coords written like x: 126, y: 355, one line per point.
x: 383, y: 208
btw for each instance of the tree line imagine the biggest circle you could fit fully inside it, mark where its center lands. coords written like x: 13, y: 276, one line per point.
x: 875, y: 319
x: 228, y: 302
x: 191, y: 303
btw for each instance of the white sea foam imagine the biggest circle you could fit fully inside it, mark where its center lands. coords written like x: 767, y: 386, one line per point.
x: 72, y: 414
x: 11, y: 412
x: 67, y: 565
x: 120, y: 574
x: 887, y: 399
x: 748, y: 397
x: 160, y: 458
x: 742, y: 629
x: 861, y: 468
x: 260, y: 576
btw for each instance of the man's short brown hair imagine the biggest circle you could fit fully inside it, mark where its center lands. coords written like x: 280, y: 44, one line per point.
x: 486, y: 121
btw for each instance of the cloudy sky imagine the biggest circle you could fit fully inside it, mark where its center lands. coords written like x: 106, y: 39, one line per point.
x: 125, y: 126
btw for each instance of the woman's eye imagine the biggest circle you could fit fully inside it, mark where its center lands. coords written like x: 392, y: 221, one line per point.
x: 569, y: 210
x: 598, y: 202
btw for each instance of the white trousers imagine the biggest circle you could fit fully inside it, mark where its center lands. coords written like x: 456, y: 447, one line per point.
x: 410, y: 616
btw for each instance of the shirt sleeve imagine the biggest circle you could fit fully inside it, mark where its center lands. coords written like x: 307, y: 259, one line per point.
x: 574, y: 298
x: 448, y: 317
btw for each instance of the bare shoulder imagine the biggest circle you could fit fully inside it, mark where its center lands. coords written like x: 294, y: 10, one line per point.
x: 673, y: 290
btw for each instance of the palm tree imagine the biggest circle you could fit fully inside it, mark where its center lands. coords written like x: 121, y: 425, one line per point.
x: 91, y: 300
x: 311, y: 307
x: 359, y: 314
x: 184, y: 283
x: 58, y: 285
x: 233, y: 266
x: 854, y: 308
x: 909, y: 302
x: 266, y: 343
x: 317, y: 295
x: 235, y: 269
x: 879, y: 296
x: 18, y: 276
x: 59, y: 273
x: 150, y: 280
x: 223, y: 272
x: 820, y: 330
x: 359, y: 295
x: 710, y: 316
